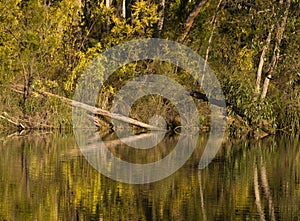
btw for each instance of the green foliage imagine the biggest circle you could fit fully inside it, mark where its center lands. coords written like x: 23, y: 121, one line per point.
x: 48, y: 45
x: 141, y: 24
x: 8, y: 43
x: 240, y: 98
x: 245, y: 60
x: 288, y: 118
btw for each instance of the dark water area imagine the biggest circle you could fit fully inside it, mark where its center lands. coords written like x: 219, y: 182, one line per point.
x: 46, y: 177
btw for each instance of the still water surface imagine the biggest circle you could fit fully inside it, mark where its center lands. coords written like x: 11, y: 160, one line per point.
x: 45, y: 177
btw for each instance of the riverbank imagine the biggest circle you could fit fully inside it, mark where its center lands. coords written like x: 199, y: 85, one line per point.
x: 53, y: 113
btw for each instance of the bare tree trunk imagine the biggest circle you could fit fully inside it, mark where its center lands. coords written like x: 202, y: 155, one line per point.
x: 191, y: 18
x: 107, y: 3
x: 276, y: 52
x: 161, y: 15
x: 214, y: 22
x: 261, y: 62
x: 124, y: 8
x: 28, y: 81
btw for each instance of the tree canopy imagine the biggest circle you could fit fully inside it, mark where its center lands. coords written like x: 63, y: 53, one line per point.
x: 253, y: 47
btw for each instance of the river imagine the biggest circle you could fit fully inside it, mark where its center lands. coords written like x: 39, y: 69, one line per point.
x: 46, y: 177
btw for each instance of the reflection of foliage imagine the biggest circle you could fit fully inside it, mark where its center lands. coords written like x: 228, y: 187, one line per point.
x: 40, y: 179
x: 55, y: 41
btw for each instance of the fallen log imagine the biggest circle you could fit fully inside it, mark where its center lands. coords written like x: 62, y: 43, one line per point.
x: 8, y: 119
x: 105, y: 113
x: 95, y: 110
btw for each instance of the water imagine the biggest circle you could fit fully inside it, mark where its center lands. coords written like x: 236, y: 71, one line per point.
x: 45, y: 177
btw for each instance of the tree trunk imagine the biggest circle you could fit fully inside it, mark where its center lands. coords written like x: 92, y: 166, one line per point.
x: 124, y: 8
x: 28, y: 81
x: 276, y: 52
x: 261, y: 62
x: 161, y: 15
x: 107, y: 3
x: 191, y: 18
x: 214, y: 22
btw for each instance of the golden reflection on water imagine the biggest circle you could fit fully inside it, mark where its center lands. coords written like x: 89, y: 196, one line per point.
x: 46, y: 177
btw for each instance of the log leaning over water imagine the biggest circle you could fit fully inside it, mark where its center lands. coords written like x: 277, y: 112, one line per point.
x: 8, y: 119
x: 105, y: 113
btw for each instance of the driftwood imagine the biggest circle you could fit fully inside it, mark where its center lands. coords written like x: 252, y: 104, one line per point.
x: 105, y: 113
x: 8, y: 119
x: 95, y: 110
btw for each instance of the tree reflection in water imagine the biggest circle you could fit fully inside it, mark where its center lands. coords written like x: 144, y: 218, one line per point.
x: 46, y: 177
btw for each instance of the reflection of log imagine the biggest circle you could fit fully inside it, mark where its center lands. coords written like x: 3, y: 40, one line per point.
x: 95, y: 142
x: 95, y: 110
x: 131, y: 140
